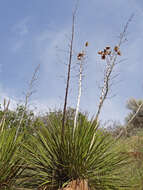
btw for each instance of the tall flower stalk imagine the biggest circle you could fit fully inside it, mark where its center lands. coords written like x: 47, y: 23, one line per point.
x: 68, y: 74
x: 81, y: 58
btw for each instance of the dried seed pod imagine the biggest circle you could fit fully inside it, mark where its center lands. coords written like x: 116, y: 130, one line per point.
x: 116, y: 48
x: 103, y: 56
x: 86, y: 44
x: 107, y: 48
x: 119, y: 53
x: 105, y: 52
x: 100, y: 52
x: 109, y: 52
x: 80, y: 56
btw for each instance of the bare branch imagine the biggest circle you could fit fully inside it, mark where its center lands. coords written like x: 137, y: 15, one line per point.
x: 27, y: 97
x: 132, y: 118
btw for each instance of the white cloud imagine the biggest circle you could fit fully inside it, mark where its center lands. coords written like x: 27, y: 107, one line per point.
x: 43, y: 106
x: 38, y: 106
x: 7, y: 97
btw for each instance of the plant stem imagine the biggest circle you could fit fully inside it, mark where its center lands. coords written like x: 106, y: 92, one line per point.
x: 68, y: 77
x: 79, y: 95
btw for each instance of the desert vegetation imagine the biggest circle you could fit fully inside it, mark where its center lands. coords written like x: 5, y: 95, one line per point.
x: 66, y: 149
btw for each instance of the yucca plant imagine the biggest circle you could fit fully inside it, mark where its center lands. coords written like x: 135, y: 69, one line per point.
x: 54, y: 161
x: 11, y: 166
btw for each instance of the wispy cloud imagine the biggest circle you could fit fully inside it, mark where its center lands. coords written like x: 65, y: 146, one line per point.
x: 20, y: 31
x: 5, y: 95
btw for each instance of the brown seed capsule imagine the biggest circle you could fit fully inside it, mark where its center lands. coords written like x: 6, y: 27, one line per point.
x: 107, y: 47
x: 80, y: 55
x: 86, y: 44
x: 116, y: 48
x: 106, y: 51
x: 119, y: 53
x: 109, y: 52
x: 103, y: 56
x: 100, y: 52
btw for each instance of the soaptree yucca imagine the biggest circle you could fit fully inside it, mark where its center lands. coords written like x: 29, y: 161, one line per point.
x: 63, y: 153
x: 55, y: 161
x: 11, y: 166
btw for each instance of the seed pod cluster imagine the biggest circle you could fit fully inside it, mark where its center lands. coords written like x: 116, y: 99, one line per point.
x: 107, y: 52
x: 116, y: 49
x: 80, y: 56
x: 86, y: 44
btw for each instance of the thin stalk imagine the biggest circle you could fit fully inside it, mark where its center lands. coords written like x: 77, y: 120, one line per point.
x: 110, y: 64
x: 27, y: 97
x: 132, y: 118
x: 79, y: 95
x: 68, y: 76
x: 2, y: 122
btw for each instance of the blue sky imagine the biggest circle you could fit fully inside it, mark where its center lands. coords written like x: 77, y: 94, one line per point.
x: 37, y: 32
